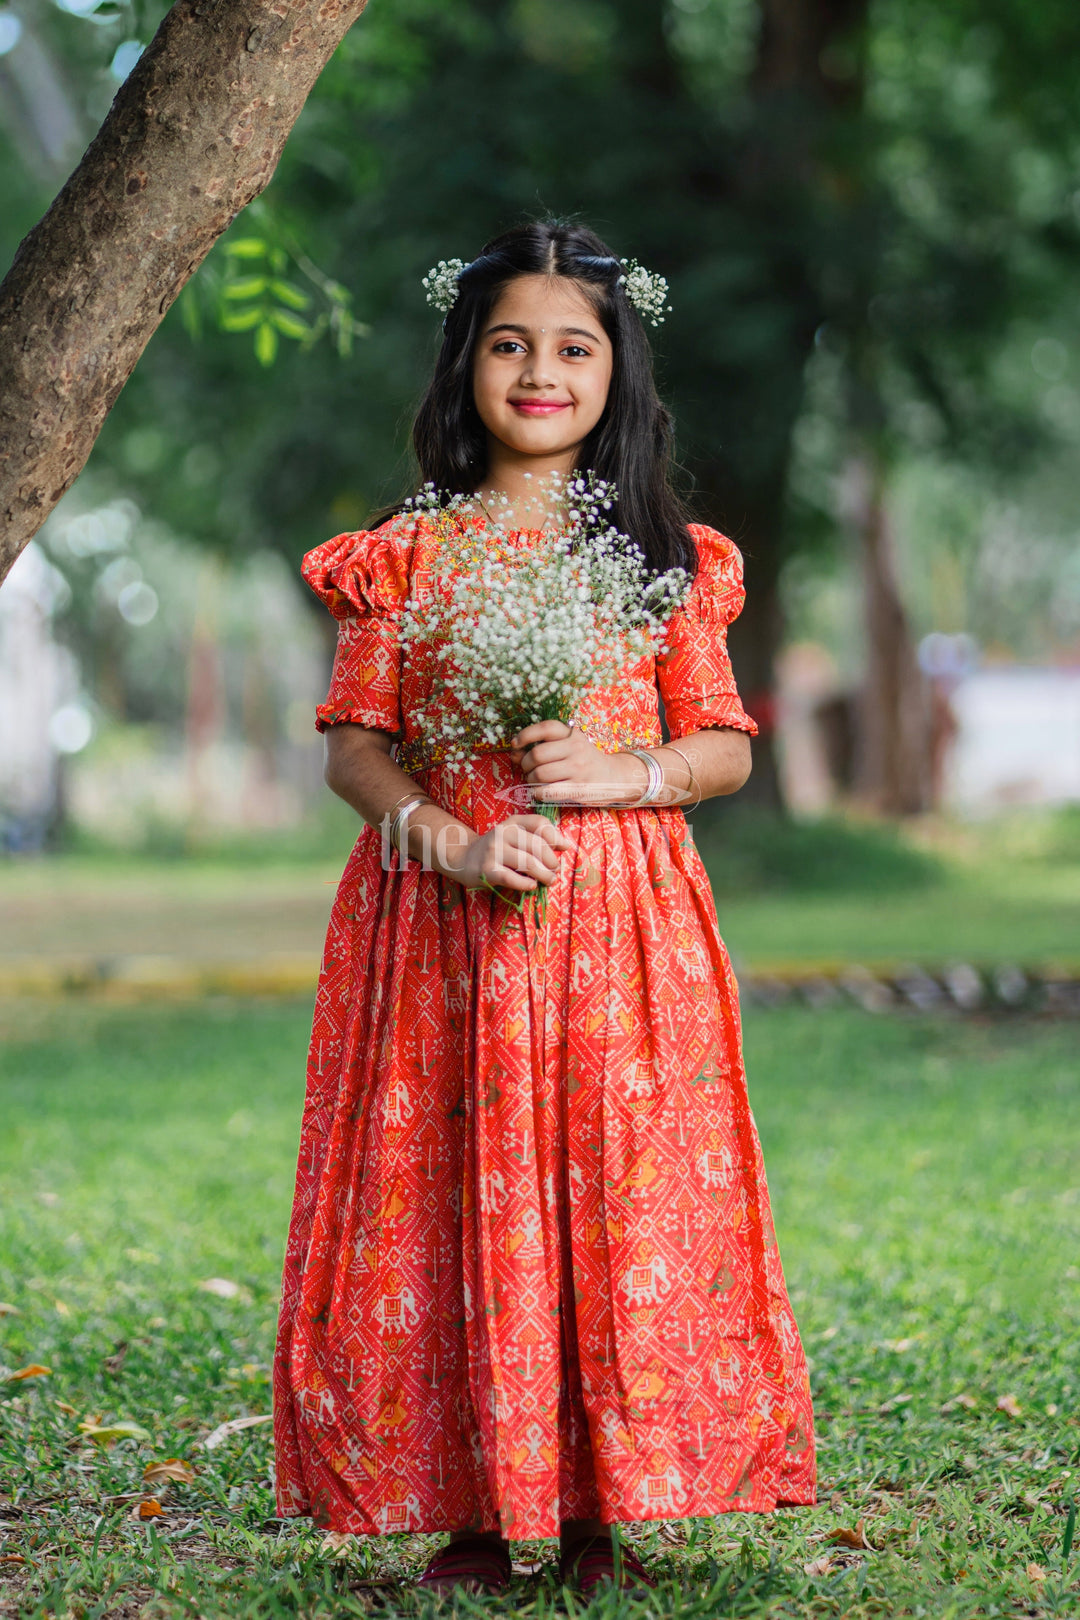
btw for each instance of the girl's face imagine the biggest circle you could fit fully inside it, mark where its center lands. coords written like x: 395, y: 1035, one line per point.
x: 542, y: 369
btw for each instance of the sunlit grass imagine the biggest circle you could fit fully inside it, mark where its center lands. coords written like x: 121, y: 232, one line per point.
x: 807, y: 893
x: 926, y: 1186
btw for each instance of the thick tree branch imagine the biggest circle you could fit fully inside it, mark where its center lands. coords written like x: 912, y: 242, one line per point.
x: 194, y: 134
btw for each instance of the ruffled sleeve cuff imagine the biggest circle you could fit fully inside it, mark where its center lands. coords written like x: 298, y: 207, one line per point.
x: 694, y: 674
x: 363, y: 578
x: 363, y: 572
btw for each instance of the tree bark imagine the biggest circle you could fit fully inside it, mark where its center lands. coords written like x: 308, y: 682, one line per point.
x: 193, y: 135
x: 806, y: 76
x: 893, y: 759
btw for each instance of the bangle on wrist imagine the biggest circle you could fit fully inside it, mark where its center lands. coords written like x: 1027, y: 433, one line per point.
x: 411, y: 794
x: 399, y: 825
x: 694, y: 783
x: 656, y: 779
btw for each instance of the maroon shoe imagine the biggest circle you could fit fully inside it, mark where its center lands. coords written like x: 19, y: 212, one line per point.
x: 474, y: 1563
x: 589, y: 1562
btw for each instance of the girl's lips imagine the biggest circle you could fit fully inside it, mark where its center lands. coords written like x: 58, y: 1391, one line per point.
x: 536, y: 407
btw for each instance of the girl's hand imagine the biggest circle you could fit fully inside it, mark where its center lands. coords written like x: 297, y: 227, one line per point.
x: 562, y: 766
x: 519, y: 853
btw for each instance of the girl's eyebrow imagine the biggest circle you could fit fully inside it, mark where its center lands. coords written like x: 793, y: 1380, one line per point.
x: 560, y: 331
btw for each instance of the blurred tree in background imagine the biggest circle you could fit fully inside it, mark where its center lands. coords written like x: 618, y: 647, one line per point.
x: 867, y: 212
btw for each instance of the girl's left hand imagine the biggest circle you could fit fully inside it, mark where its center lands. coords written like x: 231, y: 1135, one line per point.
x: 562, y: 766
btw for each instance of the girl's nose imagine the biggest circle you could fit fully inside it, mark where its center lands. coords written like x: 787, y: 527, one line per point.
x: 536, y: 374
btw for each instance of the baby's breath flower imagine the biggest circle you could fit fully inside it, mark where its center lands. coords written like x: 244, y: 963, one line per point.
x: 441, y: 284
x: 646, y: 290
x: 520, y: 633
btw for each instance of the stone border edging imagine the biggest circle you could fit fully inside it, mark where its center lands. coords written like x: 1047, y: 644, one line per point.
x: 898, y: 986
x: 955, y: 986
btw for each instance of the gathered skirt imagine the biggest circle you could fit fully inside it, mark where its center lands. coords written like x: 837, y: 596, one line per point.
x: 531, y: 1273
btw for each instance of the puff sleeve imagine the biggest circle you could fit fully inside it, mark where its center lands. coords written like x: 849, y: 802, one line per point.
x: 693, y: 673
x: 363, y: 578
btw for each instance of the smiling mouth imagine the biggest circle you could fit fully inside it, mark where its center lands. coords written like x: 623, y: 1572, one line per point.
x: 536, y: 407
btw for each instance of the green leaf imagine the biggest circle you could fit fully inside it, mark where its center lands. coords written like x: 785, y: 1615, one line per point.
x: 190, y: 313
x: 290, y: 324
x: 107, y: 1434
x: 286, y: 293
x: 242, y: 320
x: 246, y: 247
x: 278, y: 259
x: 246, y: 287
x: 266, y: 344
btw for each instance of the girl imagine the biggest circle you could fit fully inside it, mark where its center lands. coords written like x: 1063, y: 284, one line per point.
x: 531, y: 1286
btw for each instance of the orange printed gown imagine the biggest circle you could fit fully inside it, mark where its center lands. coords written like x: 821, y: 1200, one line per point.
x: 531, y: 1272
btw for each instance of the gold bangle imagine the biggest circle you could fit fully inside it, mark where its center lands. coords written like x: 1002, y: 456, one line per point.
x: 404, y: 796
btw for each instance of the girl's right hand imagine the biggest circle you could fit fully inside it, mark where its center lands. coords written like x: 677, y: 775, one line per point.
x: 519, y: 853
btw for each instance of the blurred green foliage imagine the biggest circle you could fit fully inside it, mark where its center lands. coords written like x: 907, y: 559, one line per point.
x: 869, y: 219
x: 897, y: 201
x: 749, y: 852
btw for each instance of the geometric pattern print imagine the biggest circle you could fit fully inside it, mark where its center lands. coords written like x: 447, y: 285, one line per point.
x: 531, y: 1272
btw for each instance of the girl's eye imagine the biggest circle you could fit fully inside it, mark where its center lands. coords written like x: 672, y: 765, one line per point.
x: 574, y: 350
x: 505, y: 346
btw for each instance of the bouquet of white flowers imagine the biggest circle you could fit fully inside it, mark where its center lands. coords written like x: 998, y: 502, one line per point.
x: 519, y: 633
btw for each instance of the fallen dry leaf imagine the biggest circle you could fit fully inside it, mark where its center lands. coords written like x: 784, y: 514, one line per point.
x: 845, y: 1537
x: 61, y: 1308
x: 672, y: 1533
x: 107, y: 1434
x: 968, y: 1402
x: 1035, y: 1572
x: 234, y: 1426
x: 891, y: 1405
x: 1009, y: 1405
x: 112, y: 1364
x: 12, y: 1558
x: 818, y: 1567
x: 33, y: 1371
x: 526, y: 1567
x: 155, y: 1473
x: 836, y: 1503
x: 9, y: 1310
x: 69, y: 1411
x: 150, y: 1509
x: 336, y: 1544
x: 223, y: 1288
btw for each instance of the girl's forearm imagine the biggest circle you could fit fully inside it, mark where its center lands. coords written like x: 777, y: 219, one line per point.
x: 721, y: 764
x: 360, y: 771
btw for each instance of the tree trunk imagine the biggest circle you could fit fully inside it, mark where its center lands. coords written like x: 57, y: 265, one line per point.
x: 194, y: 134
x: 754, y: 638
x: 753, y: 643
x: 893, y: 760
x: 806, y: 75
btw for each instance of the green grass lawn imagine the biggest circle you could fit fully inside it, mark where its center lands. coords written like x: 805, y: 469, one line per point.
x: 797, y: 892
x: 926, y: 1185
x: 1033, y: 919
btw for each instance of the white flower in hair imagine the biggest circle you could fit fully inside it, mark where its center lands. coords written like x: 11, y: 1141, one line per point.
x: 441, y: 283
x: 646, y: 290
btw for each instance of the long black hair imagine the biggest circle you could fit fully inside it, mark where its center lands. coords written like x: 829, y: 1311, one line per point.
x: 630, y: 446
